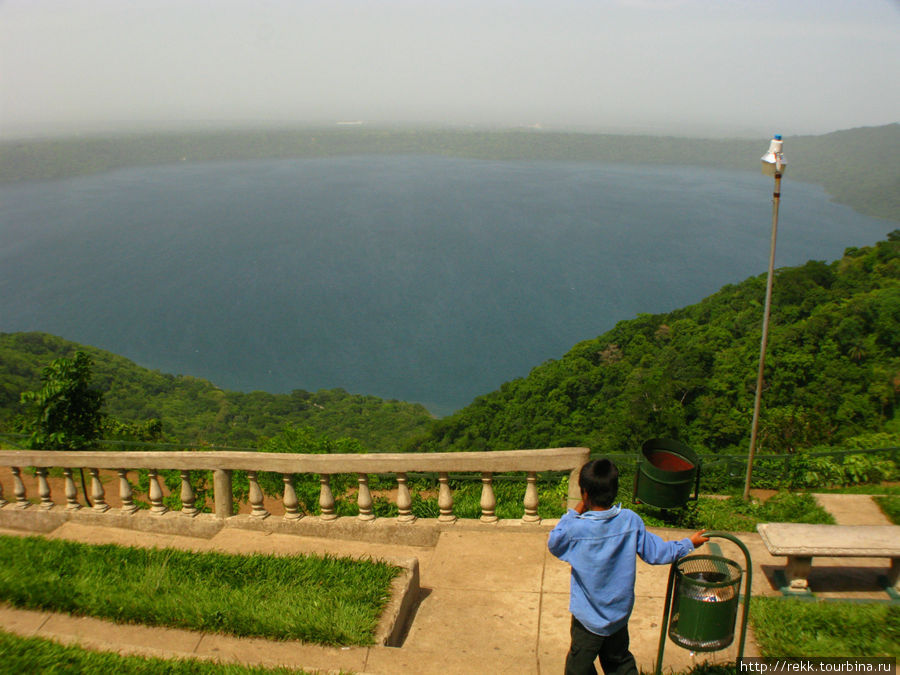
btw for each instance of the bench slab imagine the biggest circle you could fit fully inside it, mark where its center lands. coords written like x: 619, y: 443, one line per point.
x: 800, y: 542
x: 858, y: 541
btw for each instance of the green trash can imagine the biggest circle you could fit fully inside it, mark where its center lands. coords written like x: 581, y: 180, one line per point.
x: 704, y: 602
x: 667, y: 472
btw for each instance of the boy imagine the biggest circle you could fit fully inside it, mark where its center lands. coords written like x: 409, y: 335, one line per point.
x: 600, y: 542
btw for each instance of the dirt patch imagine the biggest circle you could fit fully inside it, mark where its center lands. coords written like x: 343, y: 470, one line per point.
x: 762, y: 495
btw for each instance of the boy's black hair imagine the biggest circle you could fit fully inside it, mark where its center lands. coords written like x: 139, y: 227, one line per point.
x: 600, y: 480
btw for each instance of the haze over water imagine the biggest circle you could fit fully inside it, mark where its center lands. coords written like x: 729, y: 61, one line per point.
x: 413, y: 277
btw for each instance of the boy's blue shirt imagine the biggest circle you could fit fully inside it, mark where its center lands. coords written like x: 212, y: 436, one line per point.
x: 601, y: 547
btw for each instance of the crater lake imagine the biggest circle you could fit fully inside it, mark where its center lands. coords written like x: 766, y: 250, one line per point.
x: 420, y: 278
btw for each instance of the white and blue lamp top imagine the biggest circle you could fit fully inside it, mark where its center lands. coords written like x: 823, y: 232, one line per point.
x: 773, y: 161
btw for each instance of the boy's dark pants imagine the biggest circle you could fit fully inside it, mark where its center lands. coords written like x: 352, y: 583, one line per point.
x: 612, y: 650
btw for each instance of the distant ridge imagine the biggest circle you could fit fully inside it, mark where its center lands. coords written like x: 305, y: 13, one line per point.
x: 858, y: 167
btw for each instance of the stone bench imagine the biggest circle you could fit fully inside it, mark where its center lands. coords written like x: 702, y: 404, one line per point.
x: 800, y: 543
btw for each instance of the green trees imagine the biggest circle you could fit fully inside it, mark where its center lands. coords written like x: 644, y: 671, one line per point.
x: 65, y: 410
x: 194, y: 411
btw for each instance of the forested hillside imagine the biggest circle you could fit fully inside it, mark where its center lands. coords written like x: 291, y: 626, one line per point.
x: 832, y: 371
x: 858, y: 167
x: 195, y: 411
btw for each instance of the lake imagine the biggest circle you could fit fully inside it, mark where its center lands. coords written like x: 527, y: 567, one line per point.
x: 419, y: 278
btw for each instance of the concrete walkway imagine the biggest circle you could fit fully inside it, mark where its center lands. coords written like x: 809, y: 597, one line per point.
x: 852, y: 509
x: 492, y: 601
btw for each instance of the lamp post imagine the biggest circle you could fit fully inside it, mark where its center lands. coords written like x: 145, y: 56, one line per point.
x: 773, y: 164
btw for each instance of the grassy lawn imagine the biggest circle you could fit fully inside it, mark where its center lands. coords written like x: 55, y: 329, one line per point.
x: 729, y: 514
x: 891, y: 507
x: 735, y: 515
x: 36, y: 655
x: 331, y: 601
x: 869, y: 489
x: 788, y: 627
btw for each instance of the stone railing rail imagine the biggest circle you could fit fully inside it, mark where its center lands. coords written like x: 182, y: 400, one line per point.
x: 222, y: 464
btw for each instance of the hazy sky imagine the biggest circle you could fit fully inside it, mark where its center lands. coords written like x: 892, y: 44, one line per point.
x: 742, y: 67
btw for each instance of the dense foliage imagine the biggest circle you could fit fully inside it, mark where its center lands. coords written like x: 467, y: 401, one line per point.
x: 194, y: 411
x: 66, y: 409
x: 832, y: 371
x: 858, y: 167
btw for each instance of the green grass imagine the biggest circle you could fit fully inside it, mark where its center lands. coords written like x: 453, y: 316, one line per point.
x: 37, y: 655
x: 332, y: 601
x: 891, y: 507
x: 735, y: 515
x: 509, y: 491
x: 873, y: 489
x: 785, y: 626
x: 510, y: 496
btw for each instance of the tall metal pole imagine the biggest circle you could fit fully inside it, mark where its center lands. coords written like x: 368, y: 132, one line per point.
x: 776, y: 198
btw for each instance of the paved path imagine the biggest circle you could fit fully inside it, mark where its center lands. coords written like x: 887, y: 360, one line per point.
x: 491, y: 602
x: 852, y: 509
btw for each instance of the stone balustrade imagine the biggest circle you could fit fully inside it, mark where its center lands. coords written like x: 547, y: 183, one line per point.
x: 222, y: 464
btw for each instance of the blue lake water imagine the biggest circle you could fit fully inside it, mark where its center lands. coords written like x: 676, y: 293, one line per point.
x: 412, y: 277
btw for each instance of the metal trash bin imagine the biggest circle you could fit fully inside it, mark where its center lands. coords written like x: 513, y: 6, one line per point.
x: 704, y: 602
x: 667, y: 471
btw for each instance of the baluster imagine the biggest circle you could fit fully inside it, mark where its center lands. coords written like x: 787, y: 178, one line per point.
x: 187, y: 496
x: 445, y: 499
x: 223, y: 493
x: 71, y: 491
x: 404, y: 501
x: 19, y: 489
x: 291, y: 504
x: 531, y: 499
x: 256, y: 498
x: 43, y: 488
x: 326, y: 499
x: 157, y: 508
x: 125, y: 493
x: 488, y: 501
x: 97, y: 493
x: 364, y: 498
x: 3, y: 502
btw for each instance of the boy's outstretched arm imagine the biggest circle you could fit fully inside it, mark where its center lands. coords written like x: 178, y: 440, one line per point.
x: 654, y: 550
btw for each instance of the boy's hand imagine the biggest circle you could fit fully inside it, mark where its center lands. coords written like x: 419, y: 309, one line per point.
x: 697, y: 539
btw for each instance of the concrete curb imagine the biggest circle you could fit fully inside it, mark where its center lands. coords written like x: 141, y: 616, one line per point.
x: 420, y: 532
x: 396, y: 616
x: 35, y: 519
